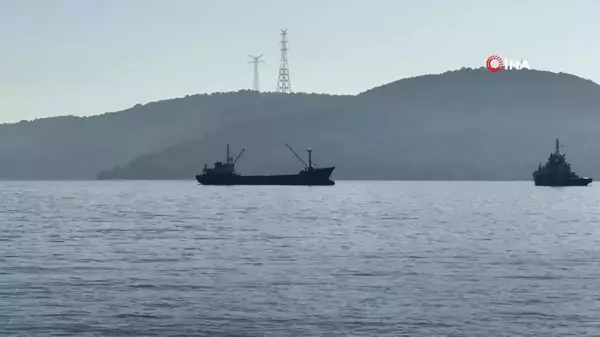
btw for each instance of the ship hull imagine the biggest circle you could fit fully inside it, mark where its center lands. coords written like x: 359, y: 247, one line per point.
x: 550, y: 181
x: 318, y: 177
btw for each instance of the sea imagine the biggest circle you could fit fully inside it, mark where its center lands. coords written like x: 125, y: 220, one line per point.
x: 173, y: 258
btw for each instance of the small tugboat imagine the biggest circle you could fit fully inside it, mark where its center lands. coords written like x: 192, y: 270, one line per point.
x: 557, y: 172
x: 225, y: 174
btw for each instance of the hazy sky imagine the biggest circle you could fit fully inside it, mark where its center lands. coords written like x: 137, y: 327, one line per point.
x: 84, y: 57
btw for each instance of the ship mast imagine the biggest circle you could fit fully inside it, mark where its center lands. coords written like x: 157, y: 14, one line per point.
x: 557, y: 150
x: 229, y: 159
x: 309, y: 158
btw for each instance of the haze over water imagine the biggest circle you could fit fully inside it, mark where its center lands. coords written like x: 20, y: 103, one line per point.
x: 359, y: 258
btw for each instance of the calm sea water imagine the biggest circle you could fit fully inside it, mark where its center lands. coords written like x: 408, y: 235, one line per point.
x: 358, y: 258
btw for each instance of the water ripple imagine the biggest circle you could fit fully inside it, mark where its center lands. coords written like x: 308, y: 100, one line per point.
x: 359, y: 259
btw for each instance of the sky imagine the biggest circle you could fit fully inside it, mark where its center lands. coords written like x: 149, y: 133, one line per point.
x: 87, y: 57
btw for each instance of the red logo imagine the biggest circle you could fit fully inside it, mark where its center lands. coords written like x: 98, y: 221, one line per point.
x: 494, y: 63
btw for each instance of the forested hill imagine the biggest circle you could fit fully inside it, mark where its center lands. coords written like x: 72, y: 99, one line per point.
x: 79, y: 147
x: 466, y: 124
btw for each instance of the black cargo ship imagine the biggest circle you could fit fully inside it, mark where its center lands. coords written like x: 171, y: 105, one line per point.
x: 557, y: 172
x: 225, y: 174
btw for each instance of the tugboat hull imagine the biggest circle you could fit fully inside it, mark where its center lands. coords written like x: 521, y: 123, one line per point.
x: 552, y: 182
x: 556, y: 172
x: 317, y: 177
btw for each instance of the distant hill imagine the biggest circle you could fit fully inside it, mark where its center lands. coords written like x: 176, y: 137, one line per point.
x: 468, y: 124
x: 79, y: 147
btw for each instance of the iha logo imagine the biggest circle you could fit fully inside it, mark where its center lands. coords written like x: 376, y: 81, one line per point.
x: 495, y: 63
